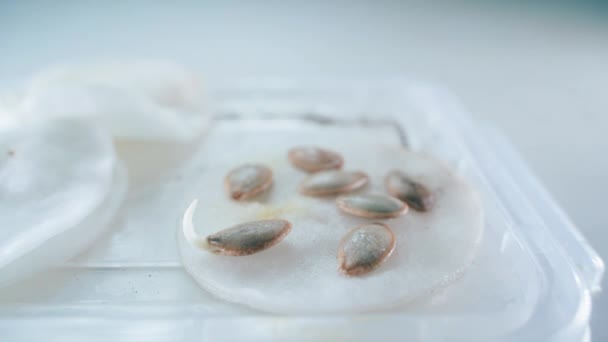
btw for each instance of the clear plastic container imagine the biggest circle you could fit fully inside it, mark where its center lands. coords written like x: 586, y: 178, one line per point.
x: 531, y: 280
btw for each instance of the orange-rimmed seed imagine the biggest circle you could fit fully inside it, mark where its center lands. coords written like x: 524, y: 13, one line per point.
x: 364, y: 248
x: 249, y: 237
x: 403, y: 187
x: 333, y: 182
x: 314, y: 159
x: 248, y: 181
x: 372, y: 206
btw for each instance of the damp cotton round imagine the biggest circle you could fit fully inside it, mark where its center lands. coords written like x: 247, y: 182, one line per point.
x: 155, y: 111
x: 60, y: 186
x: 136, y: 101
x: 300, y: 274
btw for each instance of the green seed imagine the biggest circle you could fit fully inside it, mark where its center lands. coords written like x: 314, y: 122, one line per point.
x: 333, y: 182
x: 249, y: 238
x: 372, y: 206
x: 248, y: 181
x: 403, y: 187
x: 313, y: 159
x: 364, y: 248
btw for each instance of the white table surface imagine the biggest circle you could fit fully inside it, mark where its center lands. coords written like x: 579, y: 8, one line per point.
x: 538, y: 73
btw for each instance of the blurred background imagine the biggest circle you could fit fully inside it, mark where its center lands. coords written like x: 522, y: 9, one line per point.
x: 536, y: 70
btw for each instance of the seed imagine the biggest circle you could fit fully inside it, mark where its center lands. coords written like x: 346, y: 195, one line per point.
x: 332, y: 182
x: 248, y: 181
x: 416, y: 195
x: 372, y: 206
x: 249, y: 238
x: 364, y: 248
x: 313, y: 159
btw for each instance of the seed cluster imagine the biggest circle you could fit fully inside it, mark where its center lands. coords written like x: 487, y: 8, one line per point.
x: 364, y: 247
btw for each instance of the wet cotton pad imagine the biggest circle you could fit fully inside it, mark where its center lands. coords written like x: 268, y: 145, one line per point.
x: 60, y: 187
x: 300, y: 274
x: 155, y: 111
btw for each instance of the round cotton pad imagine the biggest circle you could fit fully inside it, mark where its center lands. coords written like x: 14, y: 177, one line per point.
x: 300, y: 274
x: 59, y: 188
x: 155, y: 111
x: 136, y: 101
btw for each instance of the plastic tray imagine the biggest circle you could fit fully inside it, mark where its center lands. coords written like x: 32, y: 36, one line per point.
x: 531, y: 279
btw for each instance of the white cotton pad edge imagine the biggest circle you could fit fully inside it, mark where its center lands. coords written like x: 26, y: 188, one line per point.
x: 134, y: 100
x: 155, y: 111
x: 70, y: 242
x: 300, y: 274
x: 53, y: 175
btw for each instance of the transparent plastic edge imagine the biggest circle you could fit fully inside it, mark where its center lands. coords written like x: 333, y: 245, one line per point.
x: 585, y: 259
x: 562, y: 237
x: 565, y: 234
x: 548, y: 242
